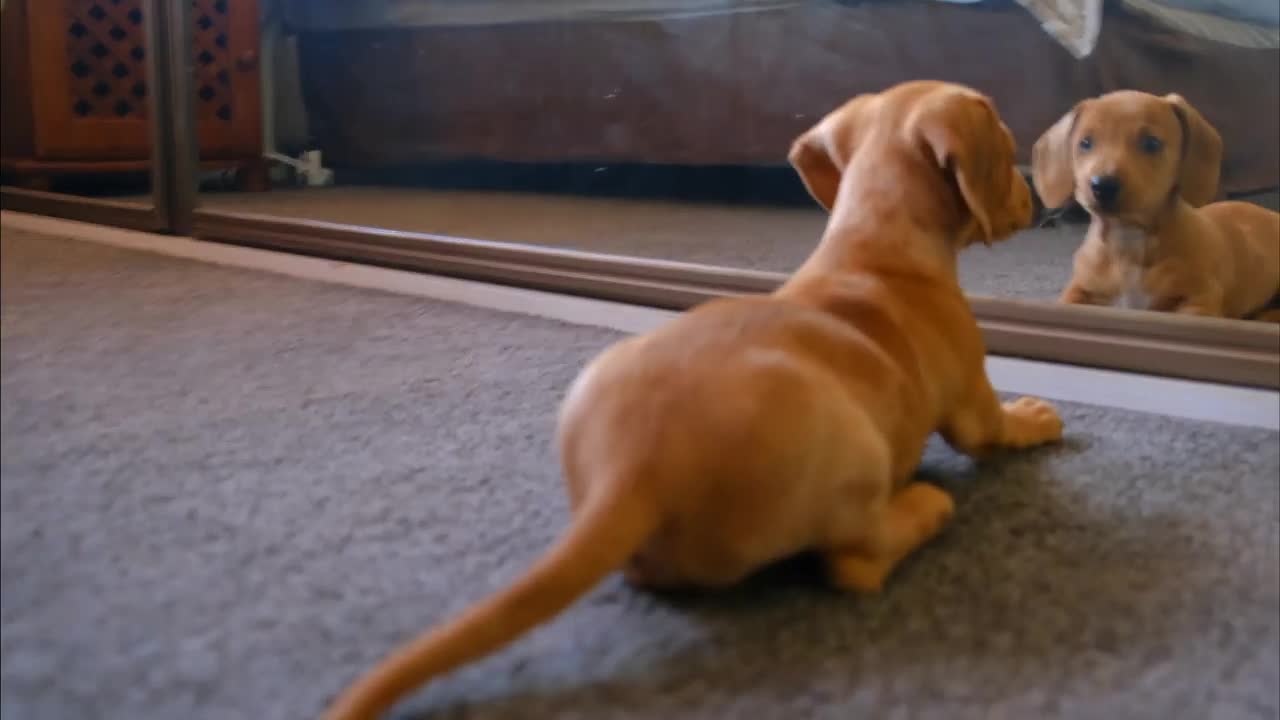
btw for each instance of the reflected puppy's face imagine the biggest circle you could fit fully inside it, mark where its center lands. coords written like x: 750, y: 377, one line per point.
x: 1126, y: 155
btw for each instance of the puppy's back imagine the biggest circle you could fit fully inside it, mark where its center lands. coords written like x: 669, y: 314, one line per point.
x: 1254, y: 234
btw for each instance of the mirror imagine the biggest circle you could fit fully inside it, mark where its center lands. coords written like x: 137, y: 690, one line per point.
x: 77, y: 107
x: 661, y: 130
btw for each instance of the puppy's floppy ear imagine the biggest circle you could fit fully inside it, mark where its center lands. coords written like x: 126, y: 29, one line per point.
x: 1201, y: 154
x: 812, y: 157
x: 967, y: 139
x: 1051, y: 170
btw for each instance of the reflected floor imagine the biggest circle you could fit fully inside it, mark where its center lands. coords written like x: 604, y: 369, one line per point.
x: 1033, y: 265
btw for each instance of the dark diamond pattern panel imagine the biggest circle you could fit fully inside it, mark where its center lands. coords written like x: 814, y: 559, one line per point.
x: 213, y: 62
x: 105, y: 58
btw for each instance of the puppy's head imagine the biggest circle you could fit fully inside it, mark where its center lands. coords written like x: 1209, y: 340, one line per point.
x: 949, y: 130
x: 1127, y: 155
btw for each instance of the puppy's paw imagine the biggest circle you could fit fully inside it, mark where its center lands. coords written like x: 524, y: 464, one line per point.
x: 858, y: 573
x: 916, y: 515
x: 1031, y: 421
x: 923, y: 510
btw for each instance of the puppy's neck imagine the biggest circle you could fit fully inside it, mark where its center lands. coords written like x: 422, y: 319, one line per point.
x: 890, y: 216
x: 1129, y: 242
x: 1139, y: 243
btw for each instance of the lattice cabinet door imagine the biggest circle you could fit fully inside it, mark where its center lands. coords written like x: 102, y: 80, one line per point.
x: 89, y: 85
x: 227, y: 82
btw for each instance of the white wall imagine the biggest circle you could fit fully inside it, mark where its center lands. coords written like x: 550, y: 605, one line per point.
x: 284, y: 116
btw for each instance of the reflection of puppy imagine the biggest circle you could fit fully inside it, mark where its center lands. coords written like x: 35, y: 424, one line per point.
x: 1142, y: 165
x: 754, y: 428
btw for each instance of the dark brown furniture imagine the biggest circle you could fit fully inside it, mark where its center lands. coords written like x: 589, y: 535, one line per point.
x: 75, y: 89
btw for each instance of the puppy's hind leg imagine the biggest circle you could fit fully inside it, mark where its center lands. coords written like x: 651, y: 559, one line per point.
x: 1205, y: 304
x: 882, y: 517
x: 911, y: 518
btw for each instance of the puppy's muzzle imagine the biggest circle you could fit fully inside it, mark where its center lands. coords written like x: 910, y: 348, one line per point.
x: 1106, y: 191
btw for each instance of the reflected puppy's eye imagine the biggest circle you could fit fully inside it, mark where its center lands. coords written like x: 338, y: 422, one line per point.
x: 1150, y: 144
x: 1086, y: 143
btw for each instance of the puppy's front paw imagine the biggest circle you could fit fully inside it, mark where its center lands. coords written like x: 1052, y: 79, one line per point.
x: 1031, y: 421
x: 1074, y: 295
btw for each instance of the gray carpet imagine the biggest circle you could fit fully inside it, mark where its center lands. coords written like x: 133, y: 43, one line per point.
x: 226, y: 493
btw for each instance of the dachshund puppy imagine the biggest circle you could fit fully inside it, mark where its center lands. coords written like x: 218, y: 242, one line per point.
x: 1146, y: 169
x: 755, y: 428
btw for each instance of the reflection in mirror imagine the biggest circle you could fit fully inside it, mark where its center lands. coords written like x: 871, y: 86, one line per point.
x: 662, y: 130
x: 1146, y: 170
x: 76, y: 103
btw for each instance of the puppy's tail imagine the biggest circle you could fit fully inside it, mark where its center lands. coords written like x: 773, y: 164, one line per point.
x: 608, y: 530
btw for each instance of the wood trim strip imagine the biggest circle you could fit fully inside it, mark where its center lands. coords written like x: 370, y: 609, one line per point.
x: 657, y: 283
x: 90, y: 210
x: 1224, y: 351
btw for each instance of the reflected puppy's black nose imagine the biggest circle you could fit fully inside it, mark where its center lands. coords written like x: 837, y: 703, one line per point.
x: 1106, y: 190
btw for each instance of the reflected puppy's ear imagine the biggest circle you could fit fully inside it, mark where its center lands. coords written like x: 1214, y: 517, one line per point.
x: 1051, y: 160
x: 1201, y: 165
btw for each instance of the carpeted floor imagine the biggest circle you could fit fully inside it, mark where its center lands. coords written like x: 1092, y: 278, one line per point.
x: 225, y: 493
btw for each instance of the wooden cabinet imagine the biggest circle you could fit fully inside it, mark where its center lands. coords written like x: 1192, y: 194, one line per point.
x: 75, y: 88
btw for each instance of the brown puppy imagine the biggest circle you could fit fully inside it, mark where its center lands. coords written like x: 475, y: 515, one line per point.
x: 755, y: 428
x: 1143, y: 166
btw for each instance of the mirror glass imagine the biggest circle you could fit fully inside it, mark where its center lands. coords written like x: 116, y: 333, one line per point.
x: 662, y: 129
